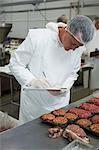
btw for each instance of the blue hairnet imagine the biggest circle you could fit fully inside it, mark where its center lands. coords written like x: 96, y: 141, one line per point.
x: 82, y: 25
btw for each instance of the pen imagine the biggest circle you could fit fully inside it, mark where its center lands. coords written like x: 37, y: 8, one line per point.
x: 44, y: 74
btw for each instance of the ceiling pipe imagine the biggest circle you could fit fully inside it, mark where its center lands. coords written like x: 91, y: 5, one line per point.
x: 54, y: 8
x: 67, y: 7
x: 15, y: 11
x: 33, y: 2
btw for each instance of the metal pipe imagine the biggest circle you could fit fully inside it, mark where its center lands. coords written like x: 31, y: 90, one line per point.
x: 33, y: 2
x: 54, y: 8
x: 16, y: 11
x: 68, y: 7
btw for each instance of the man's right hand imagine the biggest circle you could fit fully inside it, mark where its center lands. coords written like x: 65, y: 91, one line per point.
x: 39, y: 83
x: 57, y: 93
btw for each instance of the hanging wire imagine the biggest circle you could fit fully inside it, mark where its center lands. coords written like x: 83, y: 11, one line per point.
x: 45, y: 10
x: 11, y: 16
x: 82, y: 3
x: 27, y: 21
x: 70, y: 11
x: 43, y: 15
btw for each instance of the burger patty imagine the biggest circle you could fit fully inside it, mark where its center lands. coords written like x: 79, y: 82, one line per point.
x: 47, y: 117
x: 60, y: 120
x: 90, y: 107
x: 84, y: 122
x: 94, y: 101
x: 95, y: 119
x: 70, y: 116
x: 59, y: 112
x: 80, y: 112
x: 95, y: 128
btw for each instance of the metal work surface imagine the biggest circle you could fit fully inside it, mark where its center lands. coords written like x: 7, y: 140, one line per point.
x: 34, y: 136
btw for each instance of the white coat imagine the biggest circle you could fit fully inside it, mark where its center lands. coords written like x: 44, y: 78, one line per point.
x: 41, y: 52
x: 95, y: 61
x: 95, y: 71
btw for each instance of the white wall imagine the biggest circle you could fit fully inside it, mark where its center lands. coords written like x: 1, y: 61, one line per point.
x: 23, y: 21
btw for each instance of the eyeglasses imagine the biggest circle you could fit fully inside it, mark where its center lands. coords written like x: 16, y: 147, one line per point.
x: 74, y: 37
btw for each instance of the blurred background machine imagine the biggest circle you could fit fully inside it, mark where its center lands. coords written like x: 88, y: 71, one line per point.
x: 4, y: 55
x: 8, y: 84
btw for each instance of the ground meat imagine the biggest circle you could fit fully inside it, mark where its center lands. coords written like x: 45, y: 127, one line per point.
x: 95, y: 128
x: 95, y: 119
x: 55, y: 132
x: 94, y: 101
x: 59, y: 112
x: 47, y: 117
x: 80, y: 112
x: 70, y: 116
x: 84, y: 122
x: 73, y: 132
x: 77, y: 130
x: 90, y: 107
x: 60, y: 120
x: 3, y: 129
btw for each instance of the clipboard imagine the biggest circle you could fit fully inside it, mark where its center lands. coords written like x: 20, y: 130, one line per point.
x: 43, y: 89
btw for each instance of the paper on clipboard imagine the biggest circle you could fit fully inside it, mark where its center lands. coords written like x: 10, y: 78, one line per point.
x: 43, y: 89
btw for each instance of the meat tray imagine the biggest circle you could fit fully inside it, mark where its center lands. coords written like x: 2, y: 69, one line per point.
x: 78, y: 145
x: 60, y: 115
x: 50, y: 123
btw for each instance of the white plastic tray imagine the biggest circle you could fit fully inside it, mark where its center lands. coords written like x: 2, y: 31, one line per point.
x: 78, y: 145
x: 96, y: 94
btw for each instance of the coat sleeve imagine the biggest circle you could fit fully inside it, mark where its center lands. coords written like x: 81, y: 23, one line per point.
x: 20, y: 60
x: 68, y: 83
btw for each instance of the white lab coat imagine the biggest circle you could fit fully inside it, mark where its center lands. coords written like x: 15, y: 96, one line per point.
x: 42, y: 52
x: 95, y: 71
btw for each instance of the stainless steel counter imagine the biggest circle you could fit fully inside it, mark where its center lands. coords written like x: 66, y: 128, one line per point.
x: 34, y: 136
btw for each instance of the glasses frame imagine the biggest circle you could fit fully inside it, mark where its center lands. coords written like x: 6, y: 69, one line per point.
x: 80, y: 43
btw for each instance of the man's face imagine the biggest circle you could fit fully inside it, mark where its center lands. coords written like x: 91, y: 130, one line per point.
x: 68, y: 40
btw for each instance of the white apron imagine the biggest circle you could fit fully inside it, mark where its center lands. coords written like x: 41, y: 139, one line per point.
x: 41, y: 52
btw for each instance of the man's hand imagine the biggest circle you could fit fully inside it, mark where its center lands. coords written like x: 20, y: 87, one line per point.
x: 61, y: 92
x: 39, y: 83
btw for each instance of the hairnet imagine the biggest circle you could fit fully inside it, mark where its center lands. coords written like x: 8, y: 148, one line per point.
x: 83, y: 26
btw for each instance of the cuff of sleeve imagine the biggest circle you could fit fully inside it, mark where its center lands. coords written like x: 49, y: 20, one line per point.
x: 29, y: 81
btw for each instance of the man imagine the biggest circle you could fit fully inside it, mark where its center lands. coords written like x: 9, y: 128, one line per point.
x: 47, y: 58
x: 92, y: 46
x: 62, y: 18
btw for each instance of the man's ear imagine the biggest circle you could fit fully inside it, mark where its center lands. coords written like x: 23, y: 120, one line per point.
x: 61, y: 32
